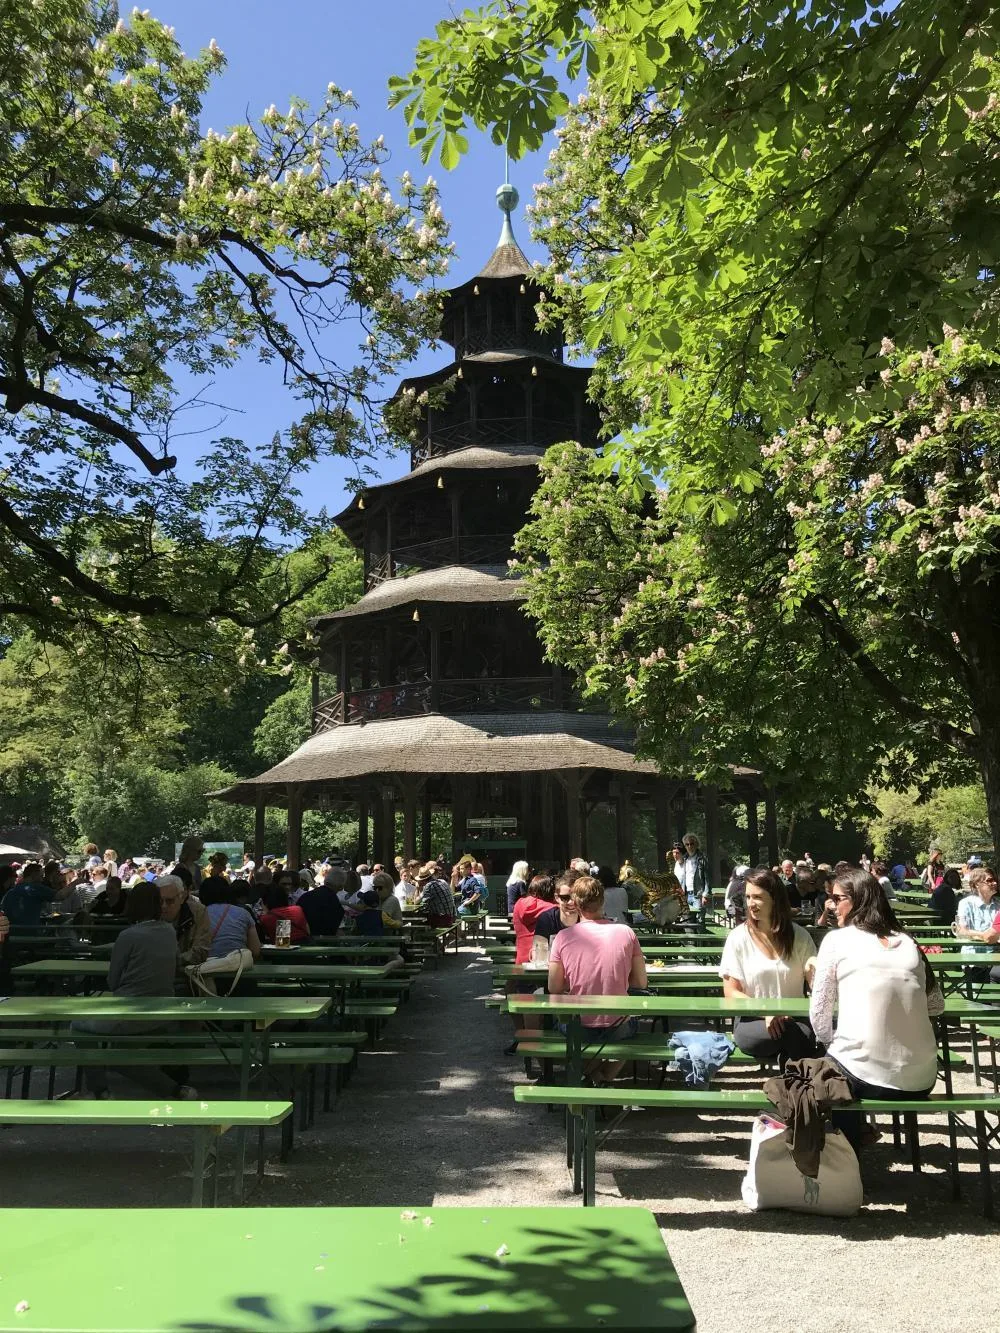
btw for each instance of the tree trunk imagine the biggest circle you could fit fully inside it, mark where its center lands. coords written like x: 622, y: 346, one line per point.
x: 975, y: 615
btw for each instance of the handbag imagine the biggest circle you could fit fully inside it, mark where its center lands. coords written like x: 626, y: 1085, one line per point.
x: 774, y: 1181
x: 202, y: 975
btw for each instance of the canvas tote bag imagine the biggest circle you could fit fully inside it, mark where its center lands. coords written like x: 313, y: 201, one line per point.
x: 774, y: 1181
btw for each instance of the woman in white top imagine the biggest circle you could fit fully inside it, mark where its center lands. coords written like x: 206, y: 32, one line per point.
x: 884, y: 993
x: 769, y: 957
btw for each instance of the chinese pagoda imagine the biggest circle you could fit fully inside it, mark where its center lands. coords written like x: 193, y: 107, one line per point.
x: 444, y: 699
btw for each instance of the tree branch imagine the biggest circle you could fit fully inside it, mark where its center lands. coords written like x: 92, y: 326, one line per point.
x: 887, y: 690
x: 130, y: 603
x: 21, y: 392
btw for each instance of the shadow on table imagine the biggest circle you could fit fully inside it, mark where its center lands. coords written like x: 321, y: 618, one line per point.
x: 573, y: 1279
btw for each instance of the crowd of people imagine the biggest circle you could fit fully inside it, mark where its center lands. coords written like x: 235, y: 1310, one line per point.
x: 797, y: 928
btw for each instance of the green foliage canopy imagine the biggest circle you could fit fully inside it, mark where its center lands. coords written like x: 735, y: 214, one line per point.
x: 747, y: 199
x: 141, y: 256
x: 837, y: 631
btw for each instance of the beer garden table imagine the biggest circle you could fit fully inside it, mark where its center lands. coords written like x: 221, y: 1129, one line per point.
x: 255, y: 1014
x: 351, y: 1269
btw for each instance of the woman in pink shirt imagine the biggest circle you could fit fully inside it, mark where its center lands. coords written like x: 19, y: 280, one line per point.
x: 597, y: 957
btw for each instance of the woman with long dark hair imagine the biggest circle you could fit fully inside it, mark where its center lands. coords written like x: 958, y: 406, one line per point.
x: 768, y: 957
x: 872, y: 973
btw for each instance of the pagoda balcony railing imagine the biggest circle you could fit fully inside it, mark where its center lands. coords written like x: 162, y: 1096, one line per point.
x: 492, y: 548
x: 508, y: 337
x: 543, y: 431
x: 513, y: 694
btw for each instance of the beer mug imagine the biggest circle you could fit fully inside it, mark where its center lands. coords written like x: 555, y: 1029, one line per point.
x: 539, y: 949
x: 283, y: 933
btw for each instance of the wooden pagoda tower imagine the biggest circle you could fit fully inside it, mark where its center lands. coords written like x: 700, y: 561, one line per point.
x: 444, y: 699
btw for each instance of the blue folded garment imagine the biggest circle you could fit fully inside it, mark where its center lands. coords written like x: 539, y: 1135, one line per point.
x: 699, y: 1055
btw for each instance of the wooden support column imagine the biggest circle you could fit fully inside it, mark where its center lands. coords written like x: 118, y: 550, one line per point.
x: 314, y: 683
x: 411, y: 787
x: 548, y: 841
x: 661, y: 818
x: 572, y: 785
x: 378, y: 817
x: 363, y: 826
x: 623, y: 821
x: 426, y: 851
x: 345, y: 680
x: 384, y: 849
x: 260, y: 807
x: 459, y: 814
x: 771, y: 825
x: 526, y: 828
x: 713, y: 852
x: 682, y: 817
x: 753, y: 833
x: 293, y: 846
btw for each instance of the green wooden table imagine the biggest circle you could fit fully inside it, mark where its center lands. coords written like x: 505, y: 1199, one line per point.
x: 286, y: 969
x: 255, y: 1014
x: 312, y: 1269
x: 696, y: 952
x: 572, y: 1009
x: 694, y: 972
x: 953, y: 969
x: 389, y: 948
x: 208, y: 1119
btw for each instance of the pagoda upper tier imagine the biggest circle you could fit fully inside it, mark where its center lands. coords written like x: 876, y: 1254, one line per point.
x: 509, y: 384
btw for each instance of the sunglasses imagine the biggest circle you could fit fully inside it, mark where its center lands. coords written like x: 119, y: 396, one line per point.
x: 564, y: 897
x: 840, y: 897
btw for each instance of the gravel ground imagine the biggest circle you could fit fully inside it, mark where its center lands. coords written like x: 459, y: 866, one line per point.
x: 429, y: 1118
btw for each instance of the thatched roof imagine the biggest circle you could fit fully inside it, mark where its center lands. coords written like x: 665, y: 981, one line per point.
x: 432, y: 743
x: 508, y: 260
x: 473, y: 458
x: 472, y: 584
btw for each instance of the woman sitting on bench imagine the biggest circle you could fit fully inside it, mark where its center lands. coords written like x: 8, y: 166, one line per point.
x: 768, y: 957
x: 143, y: 964
x: 872, y: 973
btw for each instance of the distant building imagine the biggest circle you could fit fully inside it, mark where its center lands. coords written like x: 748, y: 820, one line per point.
x: 443, y: 697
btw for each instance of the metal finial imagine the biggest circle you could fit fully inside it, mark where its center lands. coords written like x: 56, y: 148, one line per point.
x: 507, y: 200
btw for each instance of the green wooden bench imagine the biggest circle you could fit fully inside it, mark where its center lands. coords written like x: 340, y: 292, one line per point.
x: 552, y: 1046
x: 373, y: 1012
x: 505, y: 1269
x: 209, y: 1119
x: 300, y: 1061
x: 581, y: 1103
x: 991, y: 1031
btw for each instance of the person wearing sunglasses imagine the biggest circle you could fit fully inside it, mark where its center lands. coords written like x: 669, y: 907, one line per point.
x: 872, y: 974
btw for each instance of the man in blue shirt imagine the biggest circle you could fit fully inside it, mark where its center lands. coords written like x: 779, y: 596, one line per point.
x: 974, y: 921
x: 22, y: 905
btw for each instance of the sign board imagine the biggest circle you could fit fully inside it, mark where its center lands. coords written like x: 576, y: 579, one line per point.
x: 233, y: 850
x: 491, y: 824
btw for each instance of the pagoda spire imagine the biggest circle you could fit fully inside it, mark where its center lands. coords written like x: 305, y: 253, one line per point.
x: 508, y: 259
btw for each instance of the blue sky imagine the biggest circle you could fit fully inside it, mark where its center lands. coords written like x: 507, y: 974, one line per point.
x: 277, y: 51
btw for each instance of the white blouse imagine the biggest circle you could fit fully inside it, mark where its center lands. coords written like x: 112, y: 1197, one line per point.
x: 763, y: 977
x: 884, y: 1034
